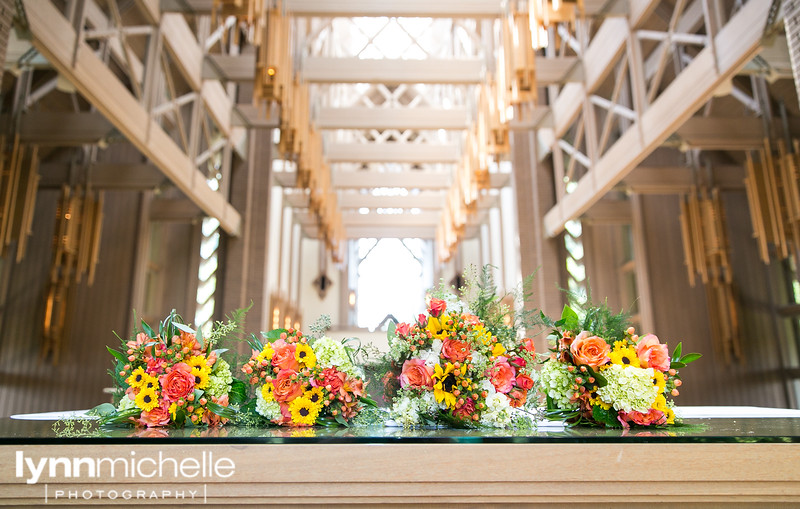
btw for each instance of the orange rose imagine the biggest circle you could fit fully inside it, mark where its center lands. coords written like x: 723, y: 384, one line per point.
x: 455, y: 350
x: 284, y: 358
x: 652, y: 354
x: 517, y: 398
x: 157, y: 417
x: 177, y: 383
x: 502, y: 375
x: 527, y: 344
x: 524, y: 381
x: 416, y: 374
x: 437, y: 307
x: 284, y: 388
x: 590, y: 350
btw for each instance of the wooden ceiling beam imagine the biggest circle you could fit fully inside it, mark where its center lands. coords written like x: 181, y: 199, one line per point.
x: 392, y: 118
x: 54, y: 37
x: 64, y: 129
x: 414, y: 153
x: 736, y: 43
x: 680, y: 179
x: 391, y: 71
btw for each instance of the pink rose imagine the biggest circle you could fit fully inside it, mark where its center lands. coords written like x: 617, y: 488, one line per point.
x: 422, y: 320
x: 524, y: 381
x: 455, y: 350
x: 402, y: 329
x: 502, y: 375
x: 436, y: 307
x: 518, y: 362
x: 465, y: 411
x: 284, y: 388
x: 416, y: 374
x: 590, y: 350
x: 652, y: 354
x: 157, y: 417
x: 178, y: 383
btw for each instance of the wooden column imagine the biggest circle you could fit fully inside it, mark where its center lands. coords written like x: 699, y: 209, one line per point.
x: 245, y: 257
x: 533, y: 184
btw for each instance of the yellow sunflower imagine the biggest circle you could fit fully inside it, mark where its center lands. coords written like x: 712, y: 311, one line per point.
x: 201, y: 377
x: 660, y: 403
x: 147, y: 399
x: 266, y: 353
x: 444, y: 381
x: 670, y: 416
x: 314, y: 395
x: 624, y: 356
x: 137, y: 378
x: 197, y: 361
x: 658, y: 380
x: 305, y: 355
x: 266, y: 392
x: 303, y: 411
x: 149, y: 382
x: 435, y: 326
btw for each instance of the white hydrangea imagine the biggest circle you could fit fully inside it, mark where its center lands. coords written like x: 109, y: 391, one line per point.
x: 269, y: 409
x: 557, y: 382
x: 628, y: 388
x: 480, y: 362
x: 498, y: 413
x: 428, y: 404
x: 431, y: 355
x: 405, y: 411
x: 220, y: 380
x: 125, y: 403
x: 330, y: 353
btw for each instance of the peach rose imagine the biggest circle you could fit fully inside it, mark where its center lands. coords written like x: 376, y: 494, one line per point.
x: 455, y: 350
x: 436, y: 307
x: 284, y: 388
x: 652, y: 416
x: 502, y: 375
x: 332, y: 377
x: 178, y: 383
x: 284, y: 358
x: 517, y: 398
x: 524, y: 381
x: 157, y: 417
x: 527, y: 344
x: 402, y: 329
x: 465, y: 411
x: 590, y: 350
x: 416, y: 374
x: 652, y: 354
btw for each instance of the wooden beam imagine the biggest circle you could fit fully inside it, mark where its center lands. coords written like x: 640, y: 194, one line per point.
x: 187, y: 6
x: 117, y: 176
x: 391, y: 71
x: 556, y: 71
x: 389, y: 8
x: 403, y: 179
x: 247, y: 115
x: 65, y: 129
x: 425, y: 218
x: 609, y: 212
x: 737, y: 42
x: 392, y: 152
x: 714, y: 133
x: 392, y: 118
x: 419, y: 201
x: 680, y: 179
x: 55, y: 38
x: 236, y: 68
x: 176, y: 210
x: 390, y: 232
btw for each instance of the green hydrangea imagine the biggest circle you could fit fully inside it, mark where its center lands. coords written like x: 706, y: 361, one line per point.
x: 628, y: 388
x: 331, y: 353
x: 220, y: 379
x: 269, y: 409
x: 125, y: 403
x: 557, y: 382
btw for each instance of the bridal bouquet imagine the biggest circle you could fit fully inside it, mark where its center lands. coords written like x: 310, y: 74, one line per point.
x: 461, y: 367
x: 601, y: 372
x: 302, y: 381
x: 173, y: 377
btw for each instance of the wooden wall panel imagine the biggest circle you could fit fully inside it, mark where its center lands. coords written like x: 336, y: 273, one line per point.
x: 28, y: 384
x: 681, y: 311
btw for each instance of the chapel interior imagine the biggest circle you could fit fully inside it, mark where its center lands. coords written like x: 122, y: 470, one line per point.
x: 341, y: 158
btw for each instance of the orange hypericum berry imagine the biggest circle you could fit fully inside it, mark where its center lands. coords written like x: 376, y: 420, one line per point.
x: 678, y: 382
x: 456, y: 393
x: 190, y: 408
x: 570, y: 368
x: 630, y: 331
x: 674, y: 392
x: 672, y: 372
x: 583, y: 369
x: 190, y: 397
x: 591, y: 379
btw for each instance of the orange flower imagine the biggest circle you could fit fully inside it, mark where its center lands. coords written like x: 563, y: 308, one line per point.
x: 284, y: 358
x: 177, y: 383
x: 416, y: 374
x: 456, y: 351
x: 652, y: 354
x: 284, y: 388
x: 590, y: 350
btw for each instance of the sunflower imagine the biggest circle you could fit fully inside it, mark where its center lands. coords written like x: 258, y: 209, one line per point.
x: 137, y: 378
x: 198, y: 361
x: 670, y: 415
x: 266, y: 353
x: 444, y: 381
x: 305, y: 355
x: 201, y: 376
x: 482, y: 335
x: 303, y: 411
x: 436, y: 329
x: 314, y: 395
x: 624, y: 356
x: 658, y: 380
x: 266, y: 392
x: 147, y: 399
x: 660, y: 403
x: 149, y: 382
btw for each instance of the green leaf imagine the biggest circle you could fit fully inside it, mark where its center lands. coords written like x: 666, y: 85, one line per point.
x: 677, y: 365
x: 254, y: 342
x: 341, y: 420
x: 390, y: 334
x: 119, y: 355
x: 607, y: 417
x: 690, y: 357
x: 274, y: 334
x: 676, y: 354
x: 148, y: 330
x: 238, y: 393
x: 103, y: 410
x: 369, y: 401
x: 571, y: 319
x: 184, y: 328
x: 219, y: 352
x: 198, y: 393
x: 223, y: 411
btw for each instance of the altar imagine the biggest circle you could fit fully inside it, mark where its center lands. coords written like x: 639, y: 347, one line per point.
x: 719, y: 456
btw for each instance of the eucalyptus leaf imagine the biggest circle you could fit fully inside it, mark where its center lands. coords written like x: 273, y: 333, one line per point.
x: 677, y: 365
x: 102, y: 410
x: 341, y: 420
x: 274, y: 334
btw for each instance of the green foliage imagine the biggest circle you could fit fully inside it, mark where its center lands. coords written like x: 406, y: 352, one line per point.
x: 222, y: 411
x: 607, y: 417
x: 238, y: 393
x: 597, y: 319
x: 320, y: 326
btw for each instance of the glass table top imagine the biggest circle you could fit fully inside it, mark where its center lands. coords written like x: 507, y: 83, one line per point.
x: 725, y: 427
